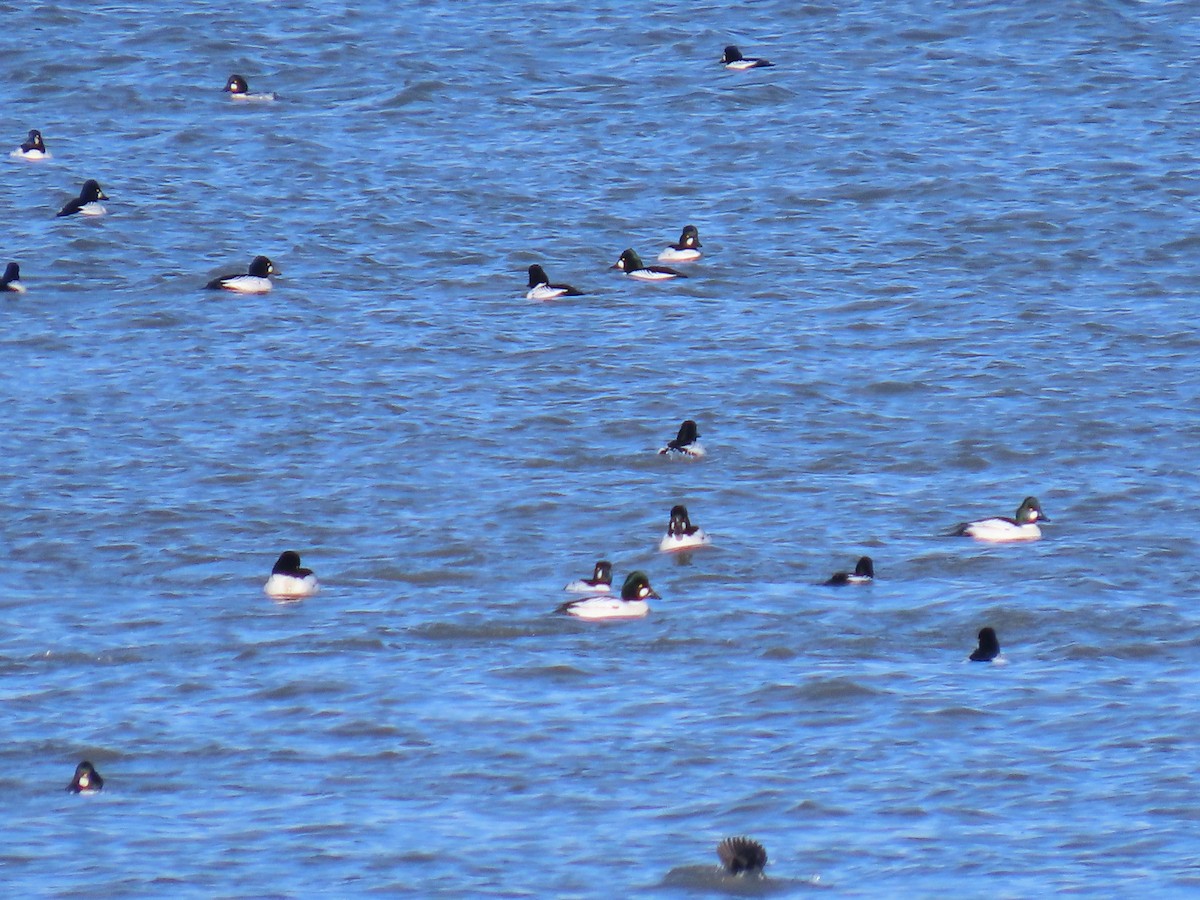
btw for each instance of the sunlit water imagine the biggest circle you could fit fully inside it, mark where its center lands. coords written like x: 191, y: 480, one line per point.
x: 950, y: 260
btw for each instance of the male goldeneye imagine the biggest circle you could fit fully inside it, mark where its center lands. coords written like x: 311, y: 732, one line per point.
x: 237, y: 89
x: 687, y: 250
x: 733, y: 59
x: 864, y: 573
x: 255, y: 281
x: 742, y: 856
x: 289, y: 581
x: 87, y: 780
x: 686, y: 442
x: 33, y: 148
x: 989, y: 646
x: 630, y: 605
x: 540, y: 287
x: 1001, y: 529
x: 600, y: 582
x: 88, y: 201
x: 12, y: 279
x: 681, y: 533
x: 631, y: 264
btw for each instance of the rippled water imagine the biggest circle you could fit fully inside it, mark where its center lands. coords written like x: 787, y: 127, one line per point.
x: 950, y: 261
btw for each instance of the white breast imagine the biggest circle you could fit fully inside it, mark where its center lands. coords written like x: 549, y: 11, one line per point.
x: 1001, y: 531
x: 670, y: 543
x: 290, y: 587
x: 608, y: 608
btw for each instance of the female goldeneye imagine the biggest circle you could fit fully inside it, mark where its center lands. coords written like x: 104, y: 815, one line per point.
x: 1001, y: 529
x: 631, y: 264
x: 630, y: 605
x: 600, y: 582
x: 88, y: 201
x: 288, y: 580
x: 87, y: 780
x: 686, y: 443
x: 864, y: 573
x: 540, y: 287
x: 733, y: 59
x: 742, y: 856
x: 12, y: 279
x: 255, y: 281
x: 33, y: 148
x: 989, y: 646
x: 681, y: 533
x: 237, y: 89
x: 687, y: 250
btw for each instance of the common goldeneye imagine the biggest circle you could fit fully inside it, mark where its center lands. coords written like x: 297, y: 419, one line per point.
x: 742, y: 856
x: 687, y: 250
x: 681, y: 533
x: 540, y: 287
x: 733, y: 59
x: 12, y: 279
x: 87, y: 780
x: 256, y: 280
x: 864, y: 573
x: 686, y: 443
x: 989, y: 646
x: 88, y: 201
x: 237, y: 89
x: 33, y: 148
x: 630, y: 605
x: 631, y: 264
x: 600, y: 582
x: 289, y: 581
x: 1001, y: 529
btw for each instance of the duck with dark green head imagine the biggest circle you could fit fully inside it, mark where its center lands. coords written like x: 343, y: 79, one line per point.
x: 1001, y: 529
x: 630, y: 605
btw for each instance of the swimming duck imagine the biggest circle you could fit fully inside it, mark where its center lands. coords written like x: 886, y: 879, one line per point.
x: 631, y: 264
x: 686, y: 443
x: 12, y: 279
x: 87, y: 203
x: 687, y: 250
x: 33, y: 148
x: 237, y: 89
x: 989, y: 646
x: 255, y: 280
x: 540, y: 287
x: 733, y: 59
x: 630, y: 605
x: 681, y: 533
x: 864, y: 573
x: 600, y: 582
x: 289, y: 581
x: 1001, y: 529
x: 742, y: 856
x: 87, y: 780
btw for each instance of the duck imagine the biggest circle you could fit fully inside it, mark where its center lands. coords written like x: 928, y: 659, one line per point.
x: 256, y: 279
x: 289, y: 581
x: 687, y: 250
x: 238, y: 89
x: 742, y: 856
x: 989, y: 646
x: 87, y: 780
x: 686, y: 444
x: 733, y: 59
x: 540, y: 287
x: 600, y: 582
x: 630, y: 605
x: 12, y: 279
x: 864, y: 573
x: 681, y: 533
x: 87, y: 203
x: 631, y: 264
x: 1001, y: 529
x: 33, y: 148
